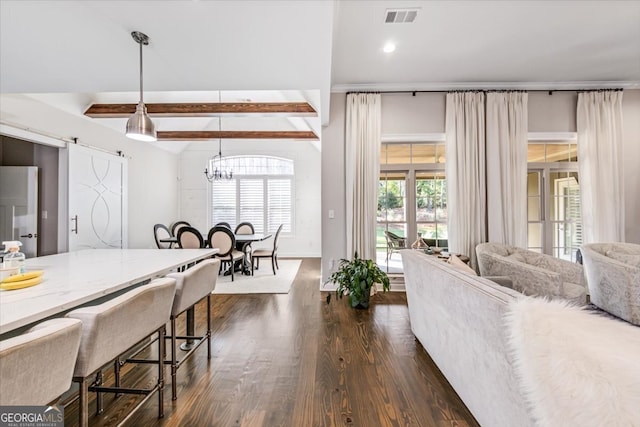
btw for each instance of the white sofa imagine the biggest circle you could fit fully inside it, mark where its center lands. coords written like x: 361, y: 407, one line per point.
x: 533, y: 273
x: 467, y: 324
x: 613, y: 277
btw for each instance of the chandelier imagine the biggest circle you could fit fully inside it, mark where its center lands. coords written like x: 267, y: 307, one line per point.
x: 218, y: 169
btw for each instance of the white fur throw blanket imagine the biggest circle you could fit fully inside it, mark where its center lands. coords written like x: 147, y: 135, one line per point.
x: 575, y: 366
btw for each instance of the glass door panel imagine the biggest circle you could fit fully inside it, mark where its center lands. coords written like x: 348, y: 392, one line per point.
x: 431, y: 207
x: 391, y: 220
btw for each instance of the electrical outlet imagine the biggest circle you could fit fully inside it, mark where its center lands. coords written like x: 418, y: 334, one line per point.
x: 45, y: 214
x: 332, y: 263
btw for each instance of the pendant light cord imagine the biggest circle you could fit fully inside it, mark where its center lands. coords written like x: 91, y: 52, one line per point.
x: 141, y: 100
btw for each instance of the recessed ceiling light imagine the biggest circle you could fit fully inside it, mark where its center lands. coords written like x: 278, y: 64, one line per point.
x: 389, y: 47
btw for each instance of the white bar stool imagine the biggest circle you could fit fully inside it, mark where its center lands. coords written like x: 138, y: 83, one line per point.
x: 114, y: 327
x: 192, y: 286
x: 36, y: 367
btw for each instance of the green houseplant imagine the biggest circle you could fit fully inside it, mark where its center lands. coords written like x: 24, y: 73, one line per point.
x: 355, y: 279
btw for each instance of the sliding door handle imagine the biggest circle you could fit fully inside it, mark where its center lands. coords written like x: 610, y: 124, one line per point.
x: 75, y: 223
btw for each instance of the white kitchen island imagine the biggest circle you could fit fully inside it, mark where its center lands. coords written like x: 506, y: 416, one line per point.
x: 77, y: 278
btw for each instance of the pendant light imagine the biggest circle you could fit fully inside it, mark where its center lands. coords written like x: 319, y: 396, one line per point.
x: 139, y: 125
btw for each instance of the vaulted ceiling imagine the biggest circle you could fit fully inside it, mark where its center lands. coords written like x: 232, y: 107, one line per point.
x: 72, y: 54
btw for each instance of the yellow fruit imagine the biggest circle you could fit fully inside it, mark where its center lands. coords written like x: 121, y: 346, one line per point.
x: 21, y: 284
x: 23, y: 276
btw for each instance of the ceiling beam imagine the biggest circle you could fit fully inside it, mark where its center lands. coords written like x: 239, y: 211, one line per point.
x: 205, y: 135
x: 192, y: 109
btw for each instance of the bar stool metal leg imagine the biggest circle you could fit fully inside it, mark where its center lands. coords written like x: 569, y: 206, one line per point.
x: 83, y: 409
x: 99, y: 397
x: 174, y: 365
x: 116, y: 372
x: 161, y: 334
x: 209, y: 326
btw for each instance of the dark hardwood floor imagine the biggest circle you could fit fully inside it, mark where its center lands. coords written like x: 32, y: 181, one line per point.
x: 294, y: 360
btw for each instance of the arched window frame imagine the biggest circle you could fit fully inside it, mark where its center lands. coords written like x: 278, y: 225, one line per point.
x: 265, y: 181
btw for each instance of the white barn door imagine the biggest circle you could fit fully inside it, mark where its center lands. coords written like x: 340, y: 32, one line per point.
x: 97, y: 183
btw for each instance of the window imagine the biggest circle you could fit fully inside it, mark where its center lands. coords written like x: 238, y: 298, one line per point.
x: 553, y: 194
x: 261, y: 192
x: 411, y: 198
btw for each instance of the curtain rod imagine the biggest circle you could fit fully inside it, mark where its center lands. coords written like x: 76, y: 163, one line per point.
x: 550, y: 91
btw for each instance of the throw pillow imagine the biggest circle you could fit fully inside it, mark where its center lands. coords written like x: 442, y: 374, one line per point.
x: 457, y: 263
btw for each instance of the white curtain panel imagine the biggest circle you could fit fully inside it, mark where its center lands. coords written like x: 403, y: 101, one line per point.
x: 507, y: 126
x: 465, y: 168
x: 362, y: 172
x: 599, y: 122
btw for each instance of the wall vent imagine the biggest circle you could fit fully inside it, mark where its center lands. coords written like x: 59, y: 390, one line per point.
x: 400, y: 16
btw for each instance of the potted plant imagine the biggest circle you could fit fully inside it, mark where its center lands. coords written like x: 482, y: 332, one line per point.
x: 355, y: 278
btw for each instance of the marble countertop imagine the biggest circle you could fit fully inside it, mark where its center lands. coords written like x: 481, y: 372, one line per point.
x: 76, y: 278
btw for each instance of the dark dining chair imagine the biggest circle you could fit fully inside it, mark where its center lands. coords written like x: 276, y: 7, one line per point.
x: 267, y: 253
x: 225, y: 224
x: 176, y: 226
x: 222, y: 237
x: 190, y: 238
x: 160, y: 231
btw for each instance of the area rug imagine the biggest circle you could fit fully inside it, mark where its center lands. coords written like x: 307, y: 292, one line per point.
x: 263, y: 280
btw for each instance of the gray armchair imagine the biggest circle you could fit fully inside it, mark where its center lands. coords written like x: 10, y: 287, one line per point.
x: 613, y: 277
x: 533, y: 273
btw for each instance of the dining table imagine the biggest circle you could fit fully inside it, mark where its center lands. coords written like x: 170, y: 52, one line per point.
x: 245, y: 240
x: 86, y: 277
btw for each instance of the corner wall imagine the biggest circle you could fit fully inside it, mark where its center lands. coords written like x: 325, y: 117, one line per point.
x: 153, y: 189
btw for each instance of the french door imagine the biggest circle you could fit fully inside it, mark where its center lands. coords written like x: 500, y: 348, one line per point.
x: 411, y: 203
x: 554, y: 217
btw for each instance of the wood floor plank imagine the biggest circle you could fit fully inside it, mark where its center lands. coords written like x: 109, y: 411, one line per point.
x: 292, y: 360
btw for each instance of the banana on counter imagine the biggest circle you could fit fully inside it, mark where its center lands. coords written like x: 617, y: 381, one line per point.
x: 24, y: 280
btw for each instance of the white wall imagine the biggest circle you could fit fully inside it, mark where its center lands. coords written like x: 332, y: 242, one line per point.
x: 193, y: 187
x: 631, y: 153
x: 425, y: 113
x: 153, y: 174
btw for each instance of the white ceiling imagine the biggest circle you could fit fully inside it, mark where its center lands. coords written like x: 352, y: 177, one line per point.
x: 503, y: 44
x: 73, y: 53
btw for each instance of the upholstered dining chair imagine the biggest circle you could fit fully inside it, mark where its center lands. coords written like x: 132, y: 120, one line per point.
x: 222, y: 237
x: 176, y: 226
x: 190, y: 238
x: 244, y: 228
x: 113, y: 328
x: 160, y: 231
x: 267, y: 253
x: 36, y: 367
x: 226, y: 224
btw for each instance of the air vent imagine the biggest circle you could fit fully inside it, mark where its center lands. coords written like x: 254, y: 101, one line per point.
x: 400, y: 16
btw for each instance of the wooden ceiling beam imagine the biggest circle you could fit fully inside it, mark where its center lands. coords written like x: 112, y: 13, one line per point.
x: 206, y: 135
x: 289, y: 109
